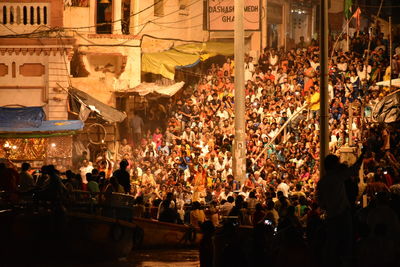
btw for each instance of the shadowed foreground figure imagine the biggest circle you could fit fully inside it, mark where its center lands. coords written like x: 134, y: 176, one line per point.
x: 331, y: 193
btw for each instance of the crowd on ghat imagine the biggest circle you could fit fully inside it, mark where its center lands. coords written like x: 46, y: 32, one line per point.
x: 190, y: 162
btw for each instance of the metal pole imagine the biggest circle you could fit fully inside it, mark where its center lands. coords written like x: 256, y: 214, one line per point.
x: 323, y: 46
x: 390, y: 52
x: 240, y: 123
x: 350, y: 143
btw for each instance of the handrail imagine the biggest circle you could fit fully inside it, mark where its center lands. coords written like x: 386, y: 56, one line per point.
x: 117, y: 199
x: 294, y: 115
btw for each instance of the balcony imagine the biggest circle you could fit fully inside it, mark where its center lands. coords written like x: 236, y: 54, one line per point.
x: 20, y: 18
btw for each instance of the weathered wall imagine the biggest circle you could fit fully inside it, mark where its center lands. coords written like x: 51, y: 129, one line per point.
x: 33, y: 72
x: 44, y: 14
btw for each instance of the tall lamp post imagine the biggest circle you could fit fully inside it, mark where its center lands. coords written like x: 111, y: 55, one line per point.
x: 239, y: 160
x: 324, y: 108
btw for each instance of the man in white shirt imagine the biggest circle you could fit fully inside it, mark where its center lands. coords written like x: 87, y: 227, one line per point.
x: 283, y: 187
x: 314, y: 62
x: 227, y: 171
x: 280, y: 76
x: 225, y: 194
x: 86, y: 168
x: 273, y: 58
x: 248, y: 69
x: 227, y: 206
x: 188, y: 135
x: 220, y: 165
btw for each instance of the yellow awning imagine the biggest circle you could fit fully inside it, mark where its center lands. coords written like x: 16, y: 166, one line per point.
x: 164, y: 63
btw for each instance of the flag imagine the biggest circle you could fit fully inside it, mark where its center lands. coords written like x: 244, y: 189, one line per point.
x: 357, y: 16
x: 347, y: 8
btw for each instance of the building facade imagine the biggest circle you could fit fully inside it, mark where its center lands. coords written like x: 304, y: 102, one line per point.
x: 34, y: 67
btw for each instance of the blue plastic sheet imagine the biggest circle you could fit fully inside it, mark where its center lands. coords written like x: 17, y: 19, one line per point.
x: 47, y: 126
x: 21, y: 117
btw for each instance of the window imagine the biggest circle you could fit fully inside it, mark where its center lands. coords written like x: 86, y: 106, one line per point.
x: 12, y: 15
x: 25, y: 15
x: 38, y: 15
x: 104, y: 17
x: 13, y: 70
x: 158, y: 8
x: 32, y: 19
x: 126, y: 16
x: 4, y: 15
x: 44, y: 15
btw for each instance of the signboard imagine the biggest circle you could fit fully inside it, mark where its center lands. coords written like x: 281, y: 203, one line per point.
x: 221, y: 15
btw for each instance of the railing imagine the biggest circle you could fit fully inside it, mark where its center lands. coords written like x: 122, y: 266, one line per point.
x: 24, y: 17
x: 297, y: 113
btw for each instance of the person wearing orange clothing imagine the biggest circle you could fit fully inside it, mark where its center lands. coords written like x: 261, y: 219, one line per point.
x: 307, y: 86
x: 227, y: 67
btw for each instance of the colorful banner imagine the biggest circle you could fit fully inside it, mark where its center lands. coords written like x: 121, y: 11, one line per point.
x: 221, y: 15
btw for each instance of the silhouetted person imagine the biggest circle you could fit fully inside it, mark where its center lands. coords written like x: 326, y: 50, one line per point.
x: 161, y: 205
x: 206, y: 244
x: 123, y: 177
x: 26, y: 181
x: 167, y: 213
x: 8, y: 181
x: 332, y: 197
x: 53, y: 190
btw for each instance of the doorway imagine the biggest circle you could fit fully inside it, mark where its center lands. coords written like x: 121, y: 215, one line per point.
x: 272, y: 35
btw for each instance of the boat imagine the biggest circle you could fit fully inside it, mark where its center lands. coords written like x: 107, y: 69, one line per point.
x: 102, y: 226
x: 147, y: 233
x: 46, y: 235
x: 80, y: 229
x: 151, y: 233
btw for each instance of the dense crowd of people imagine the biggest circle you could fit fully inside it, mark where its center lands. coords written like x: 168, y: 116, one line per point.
x: 189, y: 164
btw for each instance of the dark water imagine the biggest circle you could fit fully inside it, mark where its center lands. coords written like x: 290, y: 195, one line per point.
x: 145, y: 258
x: 159, y: 258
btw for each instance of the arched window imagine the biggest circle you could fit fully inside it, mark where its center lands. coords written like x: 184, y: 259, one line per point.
x: 13, y: 70
x: 38, y: 15
x: 32, y: 20
x: 12, y: 15
x: 25, y: 15
x: 4, y: 15
x: 44, y: 15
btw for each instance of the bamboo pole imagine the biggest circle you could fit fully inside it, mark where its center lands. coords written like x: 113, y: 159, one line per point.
x: 280, y: 130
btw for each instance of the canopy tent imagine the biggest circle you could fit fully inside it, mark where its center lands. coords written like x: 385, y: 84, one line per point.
x: 104, y: 111
x: 144, y: 89
x: 395, y: 83
x: 164, y: 63
x: 29, y: 122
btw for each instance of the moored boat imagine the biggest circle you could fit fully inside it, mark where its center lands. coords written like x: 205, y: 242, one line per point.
x: 155, y: 234
x: 45, y: 235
